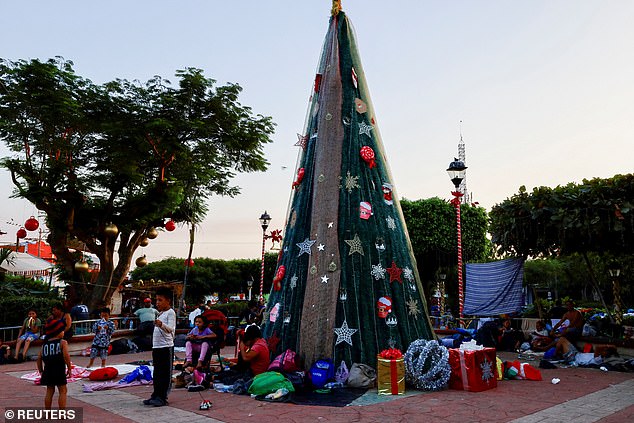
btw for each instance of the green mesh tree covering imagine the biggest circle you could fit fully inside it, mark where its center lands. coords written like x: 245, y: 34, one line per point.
x: 346, y: 285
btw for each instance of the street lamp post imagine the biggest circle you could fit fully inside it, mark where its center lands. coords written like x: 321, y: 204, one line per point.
x: 265, y: 219
x: 457, y: 171
x: 250, y: 286
x: 615, y: 272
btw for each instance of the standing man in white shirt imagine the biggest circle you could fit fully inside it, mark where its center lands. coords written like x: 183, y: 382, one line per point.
x: 162, y: 348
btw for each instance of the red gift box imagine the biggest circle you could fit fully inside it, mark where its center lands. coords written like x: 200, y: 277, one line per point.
x: 472, y: 370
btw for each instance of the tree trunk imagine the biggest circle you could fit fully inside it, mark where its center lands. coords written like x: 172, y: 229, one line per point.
x: 595, y: 283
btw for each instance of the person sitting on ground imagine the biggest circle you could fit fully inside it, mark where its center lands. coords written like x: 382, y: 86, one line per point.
x: 53, y: 363
x: 103, y: 329
x: 249, y: 314
x: 29, y: 332
x: 254, y: 355
x: 5, y: 353
x: 540, y: 338
x: 198, y: 340
x: 573, y: 330
x: 147, y: 315
x: 510, y: 339
x: 488, y: 334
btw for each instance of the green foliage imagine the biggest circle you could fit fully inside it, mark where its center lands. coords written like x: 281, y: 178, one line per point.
x: 431, y: 224
x: 596, y: 215
x: 227, y: 277
x: 231, y: 309
x: 13, y: 308
x: 123, y: 152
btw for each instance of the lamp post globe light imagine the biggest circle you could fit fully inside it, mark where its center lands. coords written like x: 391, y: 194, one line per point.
x: 457, y: 171
x: 265, y: 219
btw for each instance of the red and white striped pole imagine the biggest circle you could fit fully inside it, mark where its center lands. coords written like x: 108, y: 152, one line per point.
x: 262, y: 266
x: 456, y: 203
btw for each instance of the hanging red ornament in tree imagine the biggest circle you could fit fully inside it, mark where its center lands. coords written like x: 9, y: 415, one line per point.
x: 367, y: 154
x: 31, y: 224
x: 279, y: 276
x: 21, y: 233
x: 170, y: 225
x: 300, y: 177
x: 189, y: 262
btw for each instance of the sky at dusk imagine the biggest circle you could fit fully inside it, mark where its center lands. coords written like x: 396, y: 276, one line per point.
x: 544, y: 89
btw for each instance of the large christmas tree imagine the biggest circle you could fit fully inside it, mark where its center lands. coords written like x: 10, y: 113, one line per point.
x: 346, y: 286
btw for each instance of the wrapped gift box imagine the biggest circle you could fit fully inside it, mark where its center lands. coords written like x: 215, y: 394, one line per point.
x: 473, y: 370
x: 390, y: 376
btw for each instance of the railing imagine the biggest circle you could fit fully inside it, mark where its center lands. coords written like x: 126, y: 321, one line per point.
x: 80, y: 327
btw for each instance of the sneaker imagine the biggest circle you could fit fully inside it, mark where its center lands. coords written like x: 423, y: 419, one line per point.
x: 157, y: 402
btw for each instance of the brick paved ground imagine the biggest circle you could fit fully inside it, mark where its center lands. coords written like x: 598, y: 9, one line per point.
x: 583, y: 395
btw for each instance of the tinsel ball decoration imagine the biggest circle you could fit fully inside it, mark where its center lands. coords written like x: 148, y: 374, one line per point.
x: 367, y: 154
x: 111, y: 230
x: 427, y: 365
x: 141, y: 261
x: 152, y: 233
x: 21, y: 233
x: 81, y: 266
x: 170, y: 225
x: 189, y: 263
x: 144, y: 242
x: 31, y: 224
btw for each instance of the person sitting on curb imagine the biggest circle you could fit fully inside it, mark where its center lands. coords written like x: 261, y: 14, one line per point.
x: 29, y: 332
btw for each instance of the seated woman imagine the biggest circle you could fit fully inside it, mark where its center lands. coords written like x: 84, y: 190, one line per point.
x: 254, y: 357
x: 540, y: 339
x: 198, y: 340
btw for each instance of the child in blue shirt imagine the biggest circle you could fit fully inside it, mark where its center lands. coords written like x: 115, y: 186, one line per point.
x: 103, y: 329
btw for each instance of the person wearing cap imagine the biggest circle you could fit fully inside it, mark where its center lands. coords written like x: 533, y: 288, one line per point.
x: 147, y: 315
x: 53, y: 363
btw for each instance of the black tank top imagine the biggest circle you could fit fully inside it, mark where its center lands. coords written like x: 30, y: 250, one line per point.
x: 52, y: 354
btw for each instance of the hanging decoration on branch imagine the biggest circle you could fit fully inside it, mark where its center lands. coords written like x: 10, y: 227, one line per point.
x: 189, y: 263
x: 152, y: 233
x: 300, y: 177
x: 21, y: 233
x: 141, y: 261
x: 170, y: 225
x: 111, y: 230
x: 31, y: 224
x: 367, y: 154
x: 427, y: 365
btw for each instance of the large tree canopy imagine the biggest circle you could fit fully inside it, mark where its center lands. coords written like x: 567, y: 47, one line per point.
x: 127, y: 153
x: 596, y: 215
x: 431, y: 224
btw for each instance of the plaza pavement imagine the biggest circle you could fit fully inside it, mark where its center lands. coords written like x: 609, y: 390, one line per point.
x: 583, y: 395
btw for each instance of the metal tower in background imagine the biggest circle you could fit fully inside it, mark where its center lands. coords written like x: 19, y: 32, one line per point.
x: 466, y: 198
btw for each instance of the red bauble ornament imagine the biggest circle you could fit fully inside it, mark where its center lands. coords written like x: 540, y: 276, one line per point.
x: 31, y: 224
x: 189, y: 262
x: 21, y: 233
x: 279, y: 276
x: 170, y: 225
x: 300, y: 177
x: 367, y: 154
